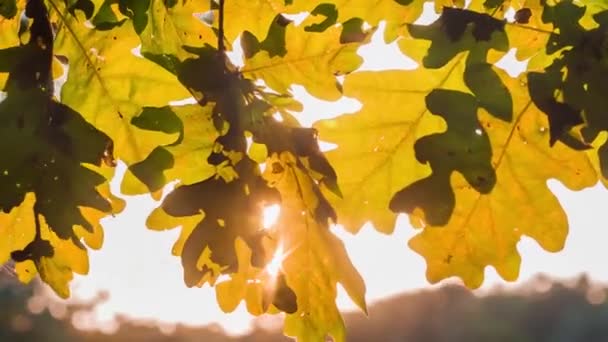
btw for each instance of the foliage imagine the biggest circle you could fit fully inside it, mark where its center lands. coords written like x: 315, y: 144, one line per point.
x: 457, y: 143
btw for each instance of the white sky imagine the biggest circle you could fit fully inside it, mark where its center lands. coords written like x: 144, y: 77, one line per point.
x: 145, y: 281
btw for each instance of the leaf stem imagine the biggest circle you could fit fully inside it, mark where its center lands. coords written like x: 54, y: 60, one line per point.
x: 525, y: 27
x: 220, y: 31
x: 38, y: 235
x: 41, y: 36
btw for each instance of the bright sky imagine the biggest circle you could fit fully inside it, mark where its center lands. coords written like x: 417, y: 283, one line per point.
x: 144, y: 280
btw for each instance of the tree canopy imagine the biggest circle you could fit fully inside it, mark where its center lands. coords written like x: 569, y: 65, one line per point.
x: 461, y: 146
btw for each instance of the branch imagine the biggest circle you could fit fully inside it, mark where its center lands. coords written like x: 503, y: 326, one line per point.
x: 220, y: 32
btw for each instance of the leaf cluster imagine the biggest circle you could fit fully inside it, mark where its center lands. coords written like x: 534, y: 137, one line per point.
x: 457, y: 143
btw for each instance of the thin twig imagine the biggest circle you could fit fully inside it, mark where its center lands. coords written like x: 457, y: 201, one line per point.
x: 220, y: 31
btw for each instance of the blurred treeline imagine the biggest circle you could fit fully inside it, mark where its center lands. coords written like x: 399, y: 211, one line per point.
x: 540, y: 311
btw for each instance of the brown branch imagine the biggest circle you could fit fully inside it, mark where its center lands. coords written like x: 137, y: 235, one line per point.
x: 220, y: 31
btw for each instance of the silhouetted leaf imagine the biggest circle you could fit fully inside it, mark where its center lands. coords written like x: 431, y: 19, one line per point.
x: 459, y: 30
x: 489, y: 90
x: 522, y: 16
x: 485, y: 228
x: 55, y: 183
x: 329, y: 12
x: 464, y: 147
x: 8, y: 9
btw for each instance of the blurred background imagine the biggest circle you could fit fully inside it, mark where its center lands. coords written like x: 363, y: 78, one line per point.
x: 541, y: 309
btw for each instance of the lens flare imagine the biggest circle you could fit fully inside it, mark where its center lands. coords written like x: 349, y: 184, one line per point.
x: 274, y: 266
x: 271, y: 215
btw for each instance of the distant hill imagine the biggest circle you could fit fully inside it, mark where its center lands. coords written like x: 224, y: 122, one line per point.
x: 540, y: 311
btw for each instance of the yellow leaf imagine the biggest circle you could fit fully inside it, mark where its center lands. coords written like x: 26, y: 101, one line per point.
x: 26, y: 271
x: 241, y: 286
x: 371, y: 12
x: 315, y: 260
x: 160, y: 220
x: 254, y: 16
x: 169, y: 29
x: 185, y: 161
x: 9, y: 28
x: 109, y: 85
x: 383, y: 132
x: 66, y: 258
x: 532, y: 37
x: 485, y: 228
x: 17, y: 228
x: 311, y: 59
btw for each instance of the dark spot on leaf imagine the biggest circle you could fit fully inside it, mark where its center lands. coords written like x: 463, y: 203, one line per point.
x: 216, y: 158
x: 523, y: 15
x: 277, y: 168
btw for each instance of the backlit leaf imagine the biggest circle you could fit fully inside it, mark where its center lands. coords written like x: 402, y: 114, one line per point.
x: 485, y: 227
x: 171, y: 25
x: 254, y: 16
x: 310, y: 59
x: 394, y: 12
x: 109, y: 85
x: 55, y: 190
x: 315, y: 260
x: 185, y: 160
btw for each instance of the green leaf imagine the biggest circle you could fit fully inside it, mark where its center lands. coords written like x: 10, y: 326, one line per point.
x: 455, y: 31
x: 9, y: 28
x: 185, y: 160
x: 222, y: 223
x: 489, y: 90
x: 55, y: 182
x: 394, y: 115
x: 485, y: 228
x: 463, y: 147
x: 8, y: 9
x: 109, y: 85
